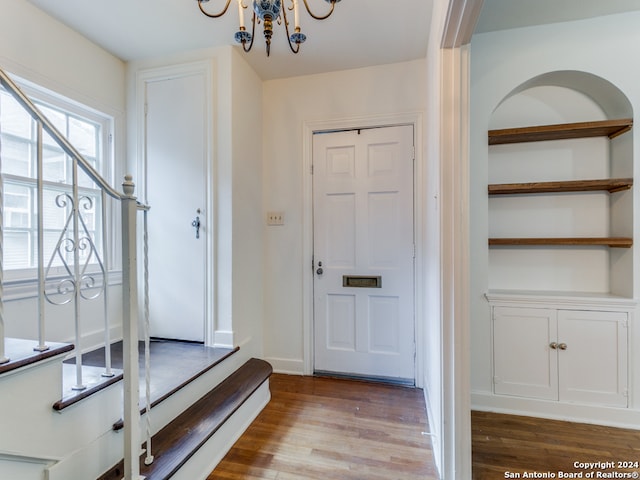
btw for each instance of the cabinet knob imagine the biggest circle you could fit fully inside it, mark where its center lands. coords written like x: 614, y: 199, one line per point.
x: 562, y: 346
x: 553, y: 345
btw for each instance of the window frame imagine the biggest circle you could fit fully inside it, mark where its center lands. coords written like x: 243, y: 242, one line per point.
x: 23, y: 282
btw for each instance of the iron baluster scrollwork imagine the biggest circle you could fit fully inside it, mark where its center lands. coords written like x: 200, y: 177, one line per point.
x: 89, y: 283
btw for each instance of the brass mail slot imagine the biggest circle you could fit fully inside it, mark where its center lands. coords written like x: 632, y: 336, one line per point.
x: 359, y: 281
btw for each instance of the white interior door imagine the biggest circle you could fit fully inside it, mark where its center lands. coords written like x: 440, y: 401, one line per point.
x: 176, y: 192
x: 364, y: 253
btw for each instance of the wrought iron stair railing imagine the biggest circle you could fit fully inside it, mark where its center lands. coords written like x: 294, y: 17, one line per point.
x: 86, y: 278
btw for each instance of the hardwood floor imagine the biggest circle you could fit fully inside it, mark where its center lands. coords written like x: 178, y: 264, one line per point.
x: 505, y: 446
x: 330, y: 429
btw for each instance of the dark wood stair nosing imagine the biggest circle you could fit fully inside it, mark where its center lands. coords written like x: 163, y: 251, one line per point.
x: 179, y: 440
x: 74, y: 398
x: 28, y: 355
x: 120, y: 424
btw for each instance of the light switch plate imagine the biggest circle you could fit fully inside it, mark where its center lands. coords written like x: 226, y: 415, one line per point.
x: 275, y: 218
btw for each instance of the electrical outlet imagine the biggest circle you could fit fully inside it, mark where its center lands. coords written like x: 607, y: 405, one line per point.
x: 275, y: 218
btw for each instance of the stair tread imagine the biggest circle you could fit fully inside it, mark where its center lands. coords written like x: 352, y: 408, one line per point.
x: 21, y: 353
x: 195, y: 360
x: 183, y: 436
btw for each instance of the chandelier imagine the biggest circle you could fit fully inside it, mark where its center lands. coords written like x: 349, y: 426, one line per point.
x: 268, y: 11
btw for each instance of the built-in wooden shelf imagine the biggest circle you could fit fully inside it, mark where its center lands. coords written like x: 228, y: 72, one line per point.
x: 610, y: 185
x: 620, y: 242
x: 608, y: 128
x: 602, y: 128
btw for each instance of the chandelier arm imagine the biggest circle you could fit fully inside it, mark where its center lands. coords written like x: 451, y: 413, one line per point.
x: 253, y: 34
x: 286, y: 27
x: 318, y: 17
x: 212, y: 15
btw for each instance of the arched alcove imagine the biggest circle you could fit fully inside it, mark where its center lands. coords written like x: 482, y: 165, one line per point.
x: 613, y: 102
x: 570, y: 159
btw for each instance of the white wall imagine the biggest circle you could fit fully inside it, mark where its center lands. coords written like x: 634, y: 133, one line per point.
x: 248, y: 221
x: 287, y: 105
x: 41, y: 50
x: 502, y: 61
x: 37, y: 47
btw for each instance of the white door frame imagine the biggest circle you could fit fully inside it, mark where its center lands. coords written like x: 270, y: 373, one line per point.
x: 309, y: 127
x: 155, y: 74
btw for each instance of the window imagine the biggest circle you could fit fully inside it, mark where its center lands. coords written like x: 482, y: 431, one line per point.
x: 89, y: 133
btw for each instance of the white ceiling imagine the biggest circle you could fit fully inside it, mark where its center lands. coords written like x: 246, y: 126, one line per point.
x: 505, y: 14
x: 358, y: 34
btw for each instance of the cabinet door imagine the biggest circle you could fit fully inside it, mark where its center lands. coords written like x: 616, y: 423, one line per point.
x: 524, y: 363
x: 593, y: 367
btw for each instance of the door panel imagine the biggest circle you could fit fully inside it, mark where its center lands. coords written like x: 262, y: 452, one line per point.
x: 176, y: 191
x: 341, y: 333
x: 363, y: 229
x: 524, y: 363
x: 593, y: 368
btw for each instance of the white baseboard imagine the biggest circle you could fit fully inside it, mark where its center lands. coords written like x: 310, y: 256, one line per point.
x: 434, y: 432
x: 223, y: 339
x: 571, y: 412
x: 286, y: 365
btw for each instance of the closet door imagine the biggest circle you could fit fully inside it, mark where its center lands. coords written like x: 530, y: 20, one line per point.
x: 176, y: 190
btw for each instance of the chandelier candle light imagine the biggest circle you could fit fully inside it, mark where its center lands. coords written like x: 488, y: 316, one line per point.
x: 266, y: 11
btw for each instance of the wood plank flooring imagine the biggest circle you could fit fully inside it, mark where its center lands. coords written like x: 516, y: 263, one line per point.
x: 505, y: 446
x: 329, y: 429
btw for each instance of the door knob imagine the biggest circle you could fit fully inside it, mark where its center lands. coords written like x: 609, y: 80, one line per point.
x: 196, y: 225
x: 553, y: 345
x: 319, y: 271
x: 562, y: 346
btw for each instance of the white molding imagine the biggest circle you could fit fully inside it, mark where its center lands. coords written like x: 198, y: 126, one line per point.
x: 591, y: 414
x: 287, y: 366
x: 434, y: 425
x: 223, y: 339
x: 462, y: 17
x: 366, y: 121
x: 455, y: 264
x: 560, y: 300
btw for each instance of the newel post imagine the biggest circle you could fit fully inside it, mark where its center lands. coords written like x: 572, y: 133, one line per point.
x: 131, y: 416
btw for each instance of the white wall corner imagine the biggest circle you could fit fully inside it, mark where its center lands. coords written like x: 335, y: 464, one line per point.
x: 223, y: 339
x: 287, y: 366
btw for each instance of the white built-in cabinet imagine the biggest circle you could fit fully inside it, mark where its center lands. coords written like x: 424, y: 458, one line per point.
x: 577, y: 356
x: 560, y: 257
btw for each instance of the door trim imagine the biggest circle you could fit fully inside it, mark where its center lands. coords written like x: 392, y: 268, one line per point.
x: 370, y: 121
x: 154, y: 74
